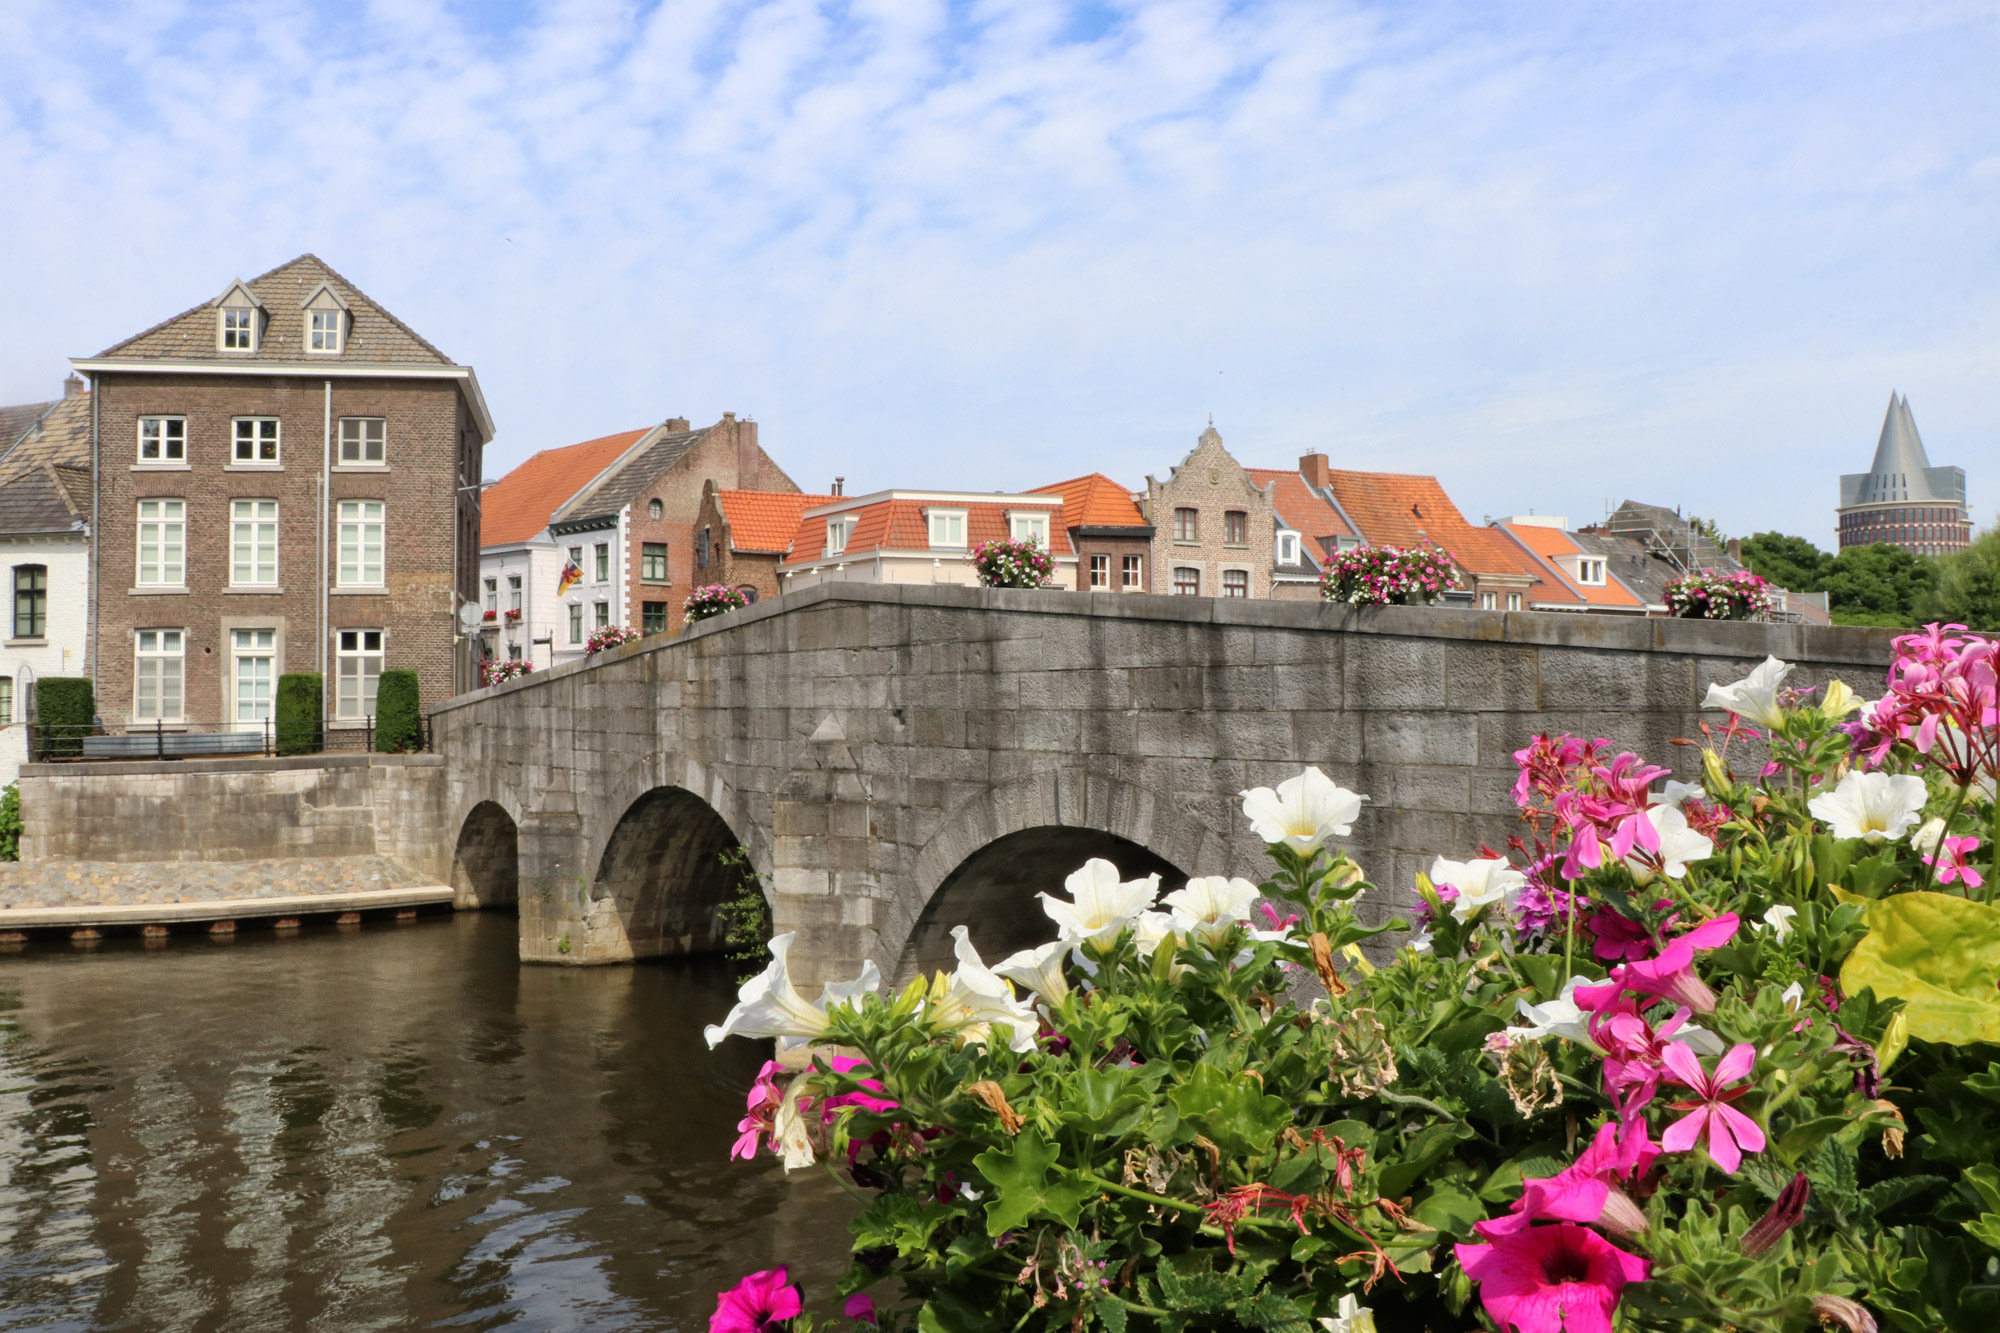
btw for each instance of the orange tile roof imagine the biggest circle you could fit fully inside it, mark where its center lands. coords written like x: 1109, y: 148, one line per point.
x: 516, y: 507
x: 1404, y: 509
x: 765, y: 520
x: 1095, y: 501
x: 899, y: 525
x: 1299, y: 506
x: 1552, y: 545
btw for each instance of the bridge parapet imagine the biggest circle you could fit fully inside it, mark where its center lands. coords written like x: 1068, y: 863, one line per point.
x: 896, y: 758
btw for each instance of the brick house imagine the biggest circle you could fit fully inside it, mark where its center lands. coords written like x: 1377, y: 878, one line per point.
x: 742, y: 536
x: 287, y: 481
x: 1215, y: 528
x: 627, y: 525
x: 1111, y: 537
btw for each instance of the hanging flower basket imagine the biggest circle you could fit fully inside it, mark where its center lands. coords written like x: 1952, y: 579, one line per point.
x: 492, y: 673
x: 611, y: 636
x: 1387, y: 575
x: 713, y: 600
x: 1709, y: 595
x: 1011, y: 564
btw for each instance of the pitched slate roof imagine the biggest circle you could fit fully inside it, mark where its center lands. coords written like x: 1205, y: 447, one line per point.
x: 1300, y: 507
x: 61, y: 436
x: 765, y: 520
x: 1551, y: 546
x: 15, y: 421
x: 1404, y: 509
x: 35, y: 502
x: 892, y: 524
x: 374, y: 335
x: 617, y: 487
x: 1095, y: 501
x: 520, y: 504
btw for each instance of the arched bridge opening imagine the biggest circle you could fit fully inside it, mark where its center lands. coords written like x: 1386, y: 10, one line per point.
x: 992, y: 891
x: 486, y: 864
x: 664, y: 876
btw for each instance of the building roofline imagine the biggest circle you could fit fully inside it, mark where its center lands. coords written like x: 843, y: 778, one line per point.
x: 958, y: 555
x: 1033, y: 499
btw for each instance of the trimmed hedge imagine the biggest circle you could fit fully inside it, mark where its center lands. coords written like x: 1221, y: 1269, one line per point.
x: 397, y: 713
x: 65, y: 709
x: 297, y: 721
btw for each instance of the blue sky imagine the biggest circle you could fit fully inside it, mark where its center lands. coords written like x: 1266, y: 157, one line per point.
x: 1557, y: 254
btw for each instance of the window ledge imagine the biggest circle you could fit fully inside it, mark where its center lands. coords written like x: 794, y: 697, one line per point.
x: 1185, y: 541
x: 253, y: 467
x: 148, y: 726
x: 162, y: 467
x: 161, y: 591
x: 27, y: 643
x: 259, y: 590
x: 366, y: 590
x: 360, y: 467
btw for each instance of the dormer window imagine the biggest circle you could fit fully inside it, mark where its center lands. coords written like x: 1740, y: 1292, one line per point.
x: 838, y: 530
x: 1288, y: 548
x: 947, y: 527
x: 326, y: 317
x: 239, y: 330
x: 1029, y: 528
x: 1590, y: 570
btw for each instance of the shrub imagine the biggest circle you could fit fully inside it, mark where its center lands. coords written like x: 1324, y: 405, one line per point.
x: 712, y: 600
x: 1635, y: 1074
x: 297, y: 715
x: 492, y: 673
x: 1380, y: 575
x: 607, y: 638
x: 1009, y: 564
x: 10, y: 822
x: 1709, y: 595
x: 398, y: 716
x: 65, y: 712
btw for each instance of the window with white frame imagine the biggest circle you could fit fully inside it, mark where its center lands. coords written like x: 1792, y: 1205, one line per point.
x: 358, y: 670
x: 163, y: 439
x: 1132, y: 570
x: 323, y: 329
x: 252, y: 672
x: 1590, y: 570
x: 603, y: 615
x: 239, y: 329
x: 256, y: 440
x: 162, y: 543
x: 1100, y: 571
x: 157, y: 674
x: 947, y: 528
x: 1513, y: 601
x: 1288, y: 548
x: 1489, y: 601
x: 513, y: 592
x: 1029, y: 528
x: 838, y: 530
x: 6, y: 701
x: 604, y: 562
x: 361, y: 538
x: 253, y: 543
x: 363, y: 441
x: 576, y: 622
x: 492, y: 597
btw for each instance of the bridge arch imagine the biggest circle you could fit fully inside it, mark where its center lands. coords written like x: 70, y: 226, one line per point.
x: 991, y: 856
x: 661, y: 878
x: 486, y: 862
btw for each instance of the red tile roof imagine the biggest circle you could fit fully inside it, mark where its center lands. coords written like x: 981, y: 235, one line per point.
x: 1403, y: 509
x: 1553, y: 545
x: 516, y: 507
x: 899, y: 525
x: 765, y: 520
x: 1095, y: 501
x: 1298, y: 506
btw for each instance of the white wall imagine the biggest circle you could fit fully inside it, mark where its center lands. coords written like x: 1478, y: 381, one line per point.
x: 63, y: 653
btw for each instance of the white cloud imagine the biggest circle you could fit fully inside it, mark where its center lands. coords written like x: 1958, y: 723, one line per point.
x: 1557, y: 254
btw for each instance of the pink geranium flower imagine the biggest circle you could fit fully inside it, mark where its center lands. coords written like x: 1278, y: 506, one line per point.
x: 765, y: 1098
x: 1730, y: 1133
x: 1950, y: 862
x: 847, y: 1064
x: 1633, y: 1049
x: 1552, y: 1279
x: 756, y: 1303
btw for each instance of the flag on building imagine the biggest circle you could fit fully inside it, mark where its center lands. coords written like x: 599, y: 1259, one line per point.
x: 571, y: 576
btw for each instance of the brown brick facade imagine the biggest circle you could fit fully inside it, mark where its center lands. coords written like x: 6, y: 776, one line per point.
x: 430, y: 537
x: 1214, y: 486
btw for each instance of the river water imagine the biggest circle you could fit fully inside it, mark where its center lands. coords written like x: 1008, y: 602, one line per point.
x: 382, y: 1127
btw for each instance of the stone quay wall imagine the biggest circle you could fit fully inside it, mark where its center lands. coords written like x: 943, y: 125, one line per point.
x: 865, y: 742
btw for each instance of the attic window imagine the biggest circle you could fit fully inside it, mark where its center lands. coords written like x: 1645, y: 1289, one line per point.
x: 1288, y: 548
x: 838, y: 530
x: 239, y: 329
x: 1031, y: 527
x: 1590, y: 570
x: 323, y: 330
x: 947, y: 527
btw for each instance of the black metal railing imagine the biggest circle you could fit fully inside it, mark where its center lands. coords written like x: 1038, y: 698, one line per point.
x: 102, y: 741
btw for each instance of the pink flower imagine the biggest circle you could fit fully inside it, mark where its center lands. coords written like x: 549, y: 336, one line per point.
x: 1671, y: 975
x: 1951, y: 866
x: 756, y: 1303
x: 1730, y: 1133
x: 1618, y: 937
x: 860, y: 1307
x: 1588, y: 1191
x: 1633, y: 1049
x: 847, y: 1064
x: 1550, y: 1279
x: 764, y: 1100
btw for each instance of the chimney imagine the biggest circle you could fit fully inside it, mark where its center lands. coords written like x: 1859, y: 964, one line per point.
x: 840, y: 485
x: 728, y: 418
x: 1313, y: 468
x: 72, y: 386
x: 677, y: 423
x: 1736, y: 549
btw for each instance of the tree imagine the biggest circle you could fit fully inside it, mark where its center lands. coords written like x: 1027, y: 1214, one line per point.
x: 1878, y: 585
x: 1789, y: 562
x: 1967, y: 590
x: 1709, y: 528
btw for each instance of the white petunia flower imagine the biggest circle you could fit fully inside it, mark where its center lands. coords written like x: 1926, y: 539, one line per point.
x: 1755, y: 697
x: 1210, y: 905
x: 1679, y: 844
x: 1674, y: 793
x: 1928, y: 838
x: 1480, y: 884
x: 975, y: 999
x: 1699, y: 1040
x: 1100, y: 906
x: 1420, y: 940
x: 1351, y: 1317
x: 1778, y: 919
x: 1560, y: 1017
x: 1149, y: 931
x: 1038, y: 970
x: 1793, y: 995
x: 1876, y: 807
x: 788, y: 1129
x: 770, y: 1006
x: 1303, y: 812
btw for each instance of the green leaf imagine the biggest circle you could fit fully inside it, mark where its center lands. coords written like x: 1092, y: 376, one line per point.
x: 1235, y: 1113
x: 1802, y: 1138
x: 1663, y: 1299
x: 1449, y: 1208
x: 1426, y: 1151
x: 1111, y: 1313
x: 1939, y: 953
x: 1022, y: 1187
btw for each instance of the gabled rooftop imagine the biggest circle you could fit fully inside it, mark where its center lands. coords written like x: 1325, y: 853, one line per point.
x: 1410, y: 509
x: 897, y: 521
x: 1095, y: 501
x: 765, y: 521
x: 520, y: 505
x: 60, y: 436
x: 1557, y: 553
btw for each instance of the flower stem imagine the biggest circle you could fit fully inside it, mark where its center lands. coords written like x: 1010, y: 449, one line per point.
x: 1160, y: 1199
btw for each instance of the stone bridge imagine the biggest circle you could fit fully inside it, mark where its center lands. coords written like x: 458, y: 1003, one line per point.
x: 893, y: 760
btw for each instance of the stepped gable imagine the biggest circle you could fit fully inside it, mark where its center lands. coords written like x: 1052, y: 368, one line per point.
x: 374, y: 336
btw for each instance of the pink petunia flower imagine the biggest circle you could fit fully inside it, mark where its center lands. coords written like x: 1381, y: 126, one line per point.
x: 1730, y: 1133
x: 756, y: 1303
x: 1550, y: 1279
x: 860, y: 1307
x: 1590, y: 1189
x: 1671, y: 975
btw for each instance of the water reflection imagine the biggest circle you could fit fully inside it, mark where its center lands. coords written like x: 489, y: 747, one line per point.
x: 378, y: 1130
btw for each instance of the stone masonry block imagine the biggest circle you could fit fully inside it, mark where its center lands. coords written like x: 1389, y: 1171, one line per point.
x: 1394, y: 673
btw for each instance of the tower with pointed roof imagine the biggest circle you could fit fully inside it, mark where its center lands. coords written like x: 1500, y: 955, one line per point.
x: 1901, y: 500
